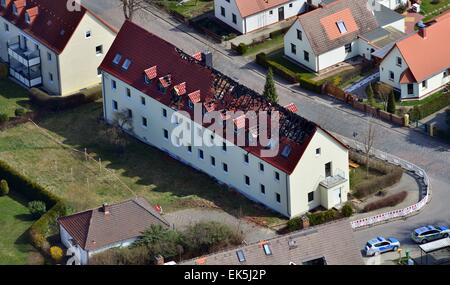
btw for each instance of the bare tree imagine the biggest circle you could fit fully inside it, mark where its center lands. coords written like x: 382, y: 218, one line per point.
x: 368, y: 141
x: 123, y: 120
x: 130, y: 7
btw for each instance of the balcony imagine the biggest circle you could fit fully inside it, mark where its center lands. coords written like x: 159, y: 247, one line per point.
x: 24, y: 56
x: 333, y: 181
x: 27, y: 77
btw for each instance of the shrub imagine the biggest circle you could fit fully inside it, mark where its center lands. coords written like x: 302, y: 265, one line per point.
x: 309, y: 84
x: 370, y: 96
x: 322, y: 217
x: 36, y: 208
x: 3, y: 118
x: 261, y: 59
x: 391, y: 103
x: 206, y: 237
x: 160, y: 241
x: 242, y: 48
x: 294, y: 224
x: 282, y: 71
x: 56, y: 253
x: 430, y: 107
x: 4, y: 70
x: 4, y: 188
x: 19, y: 112
x: 388, y: 201
x: 122, y: 256
x: 347, y: 210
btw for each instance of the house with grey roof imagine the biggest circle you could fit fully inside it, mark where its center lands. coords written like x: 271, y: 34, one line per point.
x: 109, y: 226
x: 327, y: 244
x: 340, y: 30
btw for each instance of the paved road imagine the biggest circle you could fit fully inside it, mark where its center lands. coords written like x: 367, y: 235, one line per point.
x: 431, y: 155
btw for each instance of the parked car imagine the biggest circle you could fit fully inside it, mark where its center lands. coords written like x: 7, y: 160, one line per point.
x: 381, y: 244
x: 429, y: 233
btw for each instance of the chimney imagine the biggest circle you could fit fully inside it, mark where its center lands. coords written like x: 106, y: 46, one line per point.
x: 207, y: 59
x: 159, y: 260
x: 422, y: 30
x: 105, y: 209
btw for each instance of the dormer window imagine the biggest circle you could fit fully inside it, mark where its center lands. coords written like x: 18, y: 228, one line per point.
x: 341, y: 26
x: 27, y: 18
x: 3, y: 3
x: 117, y: 59
x: 126, y: 64
x: 147, y: 80
x: 194, y: 97
x: 164, y: 82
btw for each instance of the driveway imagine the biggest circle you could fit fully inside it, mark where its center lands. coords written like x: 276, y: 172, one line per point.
x: 252, y: 232
x: 431, y: 155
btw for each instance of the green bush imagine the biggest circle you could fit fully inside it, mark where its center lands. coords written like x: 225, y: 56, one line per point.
x: 160, y: 241
x: 19, y: 112
x: 261, y: 59
x: 310, y: 85
x: 322, y: 217
x: 388, y: 201
x: 294, y: 224
x: 37, y: 208
x: 347, y: 210
x: 123, y: 256
x: 242, y: 48
x: 4, y: 188
x: 286, y: 73
x: 3, y: 118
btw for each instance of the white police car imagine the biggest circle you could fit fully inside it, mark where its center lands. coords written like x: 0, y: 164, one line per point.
x: 381, y: 244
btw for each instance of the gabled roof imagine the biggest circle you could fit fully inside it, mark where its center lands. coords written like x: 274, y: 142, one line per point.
x: 249, y: 7
x: 217, y: 92
x: 429, y: 55
x: 322, y: 27
x: 94, y: 229
x: 52, y: 23
x: 333, y: 242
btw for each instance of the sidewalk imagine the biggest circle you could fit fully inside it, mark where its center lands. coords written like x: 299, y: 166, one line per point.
x: 439, y: 118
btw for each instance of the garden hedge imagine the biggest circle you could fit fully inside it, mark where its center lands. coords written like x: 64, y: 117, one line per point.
x: 430, y: 107
x: 56, y: 103
x: 310, y: 85
x: 389, y: 201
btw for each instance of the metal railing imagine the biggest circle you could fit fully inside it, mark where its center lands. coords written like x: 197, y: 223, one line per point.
x: 406, y: 165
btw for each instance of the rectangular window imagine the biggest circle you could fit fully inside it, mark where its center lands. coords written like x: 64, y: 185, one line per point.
x: 234, y: 19
x: 262, y: 188
x: 222, y: 11
x: 200, y: 154
x: 261, y: 167
x: 271, y: 12
x: 166, y: 133
x: 328, y: 170
x: 424, y: 84
x: 99, y: 50
x: 128, y: 92
x: 278, y: 197
x: 240, y: 255
x: 410, y: 89
x: 445, y: 74
x: 306, y: 55
x: 49, y: 56
x: 224, y: 146
x: 130, y: 113
x: 348, y: 48
x: 290, y: 5
x: 225, y: 167
x: 117, y: 58
x: 245, y: 157
x: 267, y: 249
x: 6, y: 27
x: 399, y: 61
x: 164, y: 113
x: 50, y: 75
x: 144, y: 121
x: 299, y: 35
x: 189, y: 148
x: 277, y: 175
x: 142, y: 100
x: 113, y: 85
x: 115, y: 106
x: 247, y: 180
x: 341, y: 26
x: 213, y: 161
x: 311, y: 196
x: 293, y: 49
x: 318, y: 151
x: 391, y: 76
x: 87, y: 34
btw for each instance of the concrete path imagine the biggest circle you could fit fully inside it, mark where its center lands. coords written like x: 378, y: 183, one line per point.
x: 252, y: 232
x: 363, y: 82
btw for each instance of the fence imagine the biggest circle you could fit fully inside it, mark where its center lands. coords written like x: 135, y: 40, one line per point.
x: 408, y: 166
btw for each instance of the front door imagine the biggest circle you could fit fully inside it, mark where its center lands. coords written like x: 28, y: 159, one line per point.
x: 336, y: 197
x: 281, y: 14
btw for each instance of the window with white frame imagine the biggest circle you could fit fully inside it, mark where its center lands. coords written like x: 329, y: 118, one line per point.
x: 99, y: 50
x: 87, y: 34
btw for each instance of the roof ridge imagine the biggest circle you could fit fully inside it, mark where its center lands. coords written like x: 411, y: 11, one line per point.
x: 159, y: 217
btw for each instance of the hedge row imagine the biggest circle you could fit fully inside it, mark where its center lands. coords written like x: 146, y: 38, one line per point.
x: 430, y: 107
x: 32, y: 191
x: 56, y: 103
x: 310, y: 85
x: 389, y: 201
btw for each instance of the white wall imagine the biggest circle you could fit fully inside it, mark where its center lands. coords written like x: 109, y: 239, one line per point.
x: 399, y: 25
x: 337, y: 55
x: 388, y: 64
x: 65, y: 239
x: 392, y: 4
x: 432, y: 84
x: 310, y: 171
x: 230, y: 9
x: 301, y: 46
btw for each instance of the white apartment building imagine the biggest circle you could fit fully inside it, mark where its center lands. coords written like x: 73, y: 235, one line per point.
x: 46, y: 45
x: 247, y: 16
x: 309, y: 168
x: 339, y: 30
x: 419, y: 64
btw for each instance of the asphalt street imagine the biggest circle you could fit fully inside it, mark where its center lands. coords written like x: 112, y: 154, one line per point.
x: 430, y: 154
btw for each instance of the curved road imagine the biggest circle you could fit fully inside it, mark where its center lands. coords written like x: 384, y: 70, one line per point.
x: 431, y: 155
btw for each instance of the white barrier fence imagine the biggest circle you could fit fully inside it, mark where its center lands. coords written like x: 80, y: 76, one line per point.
x: 395, y: 214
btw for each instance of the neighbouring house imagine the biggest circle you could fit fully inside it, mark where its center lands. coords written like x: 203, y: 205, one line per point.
x: 340, y: 30
x: 246, y: 16
x: 419, y: 64
x: 328, y: 244
x: 164, y: 90
x: 109, y: 226
x: 47, y: 45
x: 391, y: 4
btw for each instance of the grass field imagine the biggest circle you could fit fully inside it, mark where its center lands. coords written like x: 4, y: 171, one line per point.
x: 267, y: 46
x: 358, y: 175
x: 427, y: 6
x: 189, y: 9
x: 278, y: 57
x: 14, y: 223
x: 12, y: 96
x: 148, y: 172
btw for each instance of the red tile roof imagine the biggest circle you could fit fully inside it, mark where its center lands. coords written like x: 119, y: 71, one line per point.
x: 291, y: 107
x: 94, y: 229
x: 197, y: 56
x: 180, y: 88
x: 51, y: 22
x: 330, y: 23
x: 204, y: 85
x: 429, y: 55
x: 250, y: 7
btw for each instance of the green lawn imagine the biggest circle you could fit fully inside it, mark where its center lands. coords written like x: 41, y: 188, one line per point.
x: 147, y: 171
x: 12, y: 96
x: 267, y: 46
x: 278, y: 57
x: 14, y: 223
x: 420, y: 102
x: 190, y: 9
x: 428, y: 7
x: 359, y: 175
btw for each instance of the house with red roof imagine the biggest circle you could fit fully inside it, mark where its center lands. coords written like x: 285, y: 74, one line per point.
x: 247, y: 16
x: 339, y: 30
x: 181, y: 105
x: 52, y: 45
x: 419, y: 64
